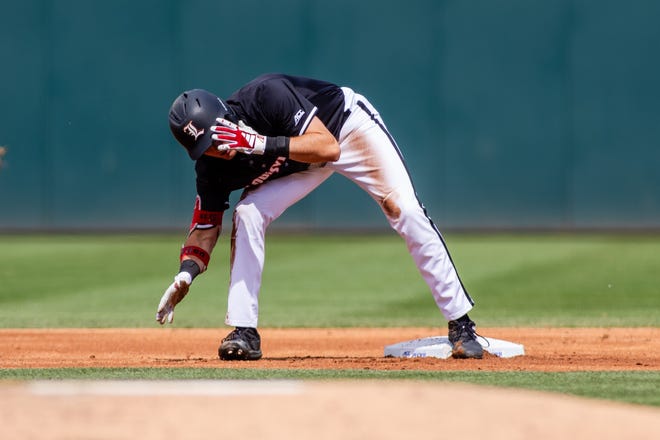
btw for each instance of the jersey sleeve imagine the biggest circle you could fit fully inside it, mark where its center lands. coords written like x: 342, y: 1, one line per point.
x: 212, y: 194
x: 285, y: 111
x: 210, y: 205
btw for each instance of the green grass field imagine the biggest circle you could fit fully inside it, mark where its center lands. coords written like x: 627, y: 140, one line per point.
x: 353, y: 280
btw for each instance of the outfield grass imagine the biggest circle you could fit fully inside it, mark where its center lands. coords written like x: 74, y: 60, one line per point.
x: 527, y: 280
x: 539, y: 280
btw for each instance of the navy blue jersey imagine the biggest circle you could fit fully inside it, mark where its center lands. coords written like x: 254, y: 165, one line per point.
x: 283, y: 105
x: 273, y: 105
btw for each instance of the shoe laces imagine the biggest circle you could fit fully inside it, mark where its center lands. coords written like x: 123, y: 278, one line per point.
x: 469, y: 329
x: 244, y: 333
x: 466, y: 329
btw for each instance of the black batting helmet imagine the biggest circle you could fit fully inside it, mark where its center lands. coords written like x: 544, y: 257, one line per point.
x: 191, y: 115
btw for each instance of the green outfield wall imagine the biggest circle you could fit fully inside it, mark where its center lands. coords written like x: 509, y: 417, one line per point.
x: 511, y: 113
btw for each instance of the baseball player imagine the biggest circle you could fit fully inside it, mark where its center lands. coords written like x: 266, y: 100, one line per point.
x: 277, y: 139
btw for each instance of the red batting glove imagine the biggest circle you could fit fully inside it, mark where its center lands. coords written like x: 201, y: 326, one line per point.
x: 241, y: 138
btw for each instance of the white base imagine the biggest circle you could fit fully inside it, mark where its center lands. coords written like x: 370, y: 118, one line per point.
x: 440, y: 347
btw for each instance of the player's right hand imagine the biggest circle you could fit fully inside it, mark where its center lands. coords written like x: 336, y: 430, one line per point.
x: 173, y: 296
x: 241, y: 137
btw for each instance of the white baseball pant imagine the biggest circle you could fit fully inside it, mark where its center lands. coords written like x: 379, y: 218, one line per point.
x: 371, y: 159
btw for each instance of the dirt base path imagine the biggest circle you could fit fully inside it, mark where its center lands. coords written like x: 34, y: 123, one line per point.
x: 546, y: 349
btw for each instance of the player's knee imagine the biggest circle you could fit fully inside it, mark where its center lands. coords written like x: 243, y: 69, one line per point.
x: 395, y: 206
x: 391, y: 208
x: 248, y: 214
x: 404, y: 214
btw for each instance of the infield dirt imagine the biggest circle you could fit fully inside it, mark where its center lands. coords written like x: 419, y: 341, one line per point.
x: 308, y: 409
x: 546, y: 349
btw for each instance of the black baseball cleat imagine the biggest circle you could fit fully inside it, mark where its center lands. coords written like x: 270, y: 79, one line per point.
x: 463, y: 338
x: 242, y: 344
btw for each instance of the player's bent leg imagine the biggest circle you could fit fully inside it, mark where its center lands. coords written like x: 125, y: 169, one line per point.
x: 372, y: 160
x: 246, y: 266
x: 432, y: 258
x: 428, y: 250
x: 258, y: 208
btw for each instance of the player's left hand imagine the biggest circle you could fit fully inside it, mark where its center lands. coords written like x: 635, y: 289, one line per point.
x: 173, y: 296
x: 241, y: 137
